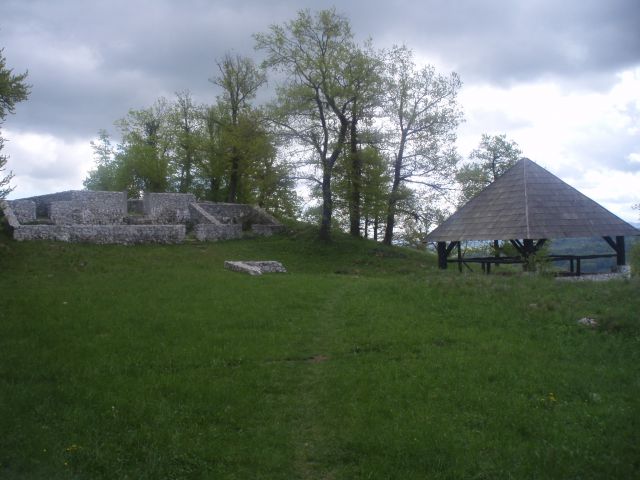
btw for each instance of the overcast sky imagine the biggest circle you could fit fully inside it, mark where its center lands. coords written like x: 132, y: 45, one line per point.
x: 561, y: 78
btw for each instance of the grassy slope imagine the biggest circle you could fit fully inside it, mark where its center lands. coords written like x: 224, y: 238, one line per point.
x: 362, y: 362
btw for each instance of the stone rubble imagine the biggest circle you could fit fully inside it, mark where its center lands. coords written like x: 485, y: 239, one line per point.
x: 588, y: 322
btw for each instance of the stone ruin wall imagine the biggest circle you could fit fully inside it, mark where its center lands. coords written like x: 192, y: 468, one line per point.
x: 168, y: 208
x: 247, y: 216
x: 90, y: 208
x: 103, y: 234
x: 24, y: 210
x: 135, y: 206
x: 212, y: 232
x: 43, y: 201
x: 108, y: 217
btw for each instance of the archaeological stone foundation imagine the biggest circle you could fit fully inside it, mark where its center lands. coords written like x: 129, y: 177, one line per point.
x: 109, y: 217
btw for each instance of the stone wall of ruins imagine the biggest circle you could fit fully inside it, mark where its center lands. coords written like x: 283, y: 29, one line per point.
x: 108, y: 217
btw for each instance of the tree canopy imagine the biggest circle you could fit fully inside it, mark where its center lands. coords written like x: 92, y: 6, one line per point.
x: 495, y: 155
x: 370, y: 133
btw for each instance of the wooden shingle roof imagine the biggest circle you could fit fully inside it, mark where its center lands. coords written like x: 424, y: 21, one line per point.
x: 527, y: 201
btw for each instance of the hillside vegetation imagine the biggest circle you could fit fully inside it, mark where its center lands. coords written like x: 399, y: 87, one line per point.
x: 362, y: 362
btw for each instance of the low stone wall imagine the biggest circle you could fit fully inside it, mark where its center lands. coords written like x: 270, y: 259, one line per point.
x: 199, y: 215
x: 206, y: 232
x: 168, y: 208
x: 102, y: 234
x: 24, y: 210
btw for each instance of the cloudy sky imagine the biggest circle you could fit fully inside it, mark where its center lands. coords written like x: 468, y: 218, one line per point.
x: 561, y: 78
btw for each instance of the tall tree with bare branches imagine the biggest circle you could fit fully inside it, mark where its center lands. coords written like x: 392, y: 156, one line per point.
x: 421, y: 106
x: 314, y: 101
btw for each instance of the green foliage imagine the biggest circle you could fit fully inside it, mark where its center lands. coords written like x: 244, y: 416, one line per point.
x: 315, y: 52
x: 473, y: 178
x: 635, y: 260
x: 492, y: 158
x: 105, y: 176
x: 362, y: 362
x: 422, y: 110
x: 141, y: 162
x: 222, y: 152
x: 327, y: 125
x: 244, y: 140
x: 13, y: 90
x: 373, y: 185
x: 540, y: 262
x: 5, y: 180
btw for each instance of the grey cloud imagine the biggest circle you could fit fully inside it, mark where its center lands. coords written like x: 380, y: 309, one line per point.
x: 504, y: 42
x: 143, y: 49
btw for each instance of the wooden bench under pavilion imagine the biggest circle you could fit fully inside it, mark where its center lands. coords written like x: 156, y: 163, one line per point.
x: 526, y: 206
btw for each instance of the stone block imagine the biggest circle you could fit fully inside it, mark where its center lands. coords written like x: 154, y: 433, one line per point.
x: 24, y: 210
x: 255, y: 267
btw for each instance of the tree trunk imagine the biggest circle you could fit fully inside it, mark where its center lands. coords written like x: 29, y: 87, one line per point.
x: 214, y: 187
x: 356, y: 180
x: 327, y: 205
x: 234, y: 179
x: 186, y: 177
x: 393, y: 196
x: 375, y: 228
x: 328, y: 163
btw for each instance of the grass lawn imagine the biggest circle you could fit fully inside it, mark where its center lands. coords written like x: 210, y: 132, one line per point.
x: 361, y: 362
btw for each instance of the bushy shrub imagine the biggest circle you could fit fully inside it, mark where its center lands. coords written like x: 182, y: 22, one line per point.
x: 634, y: 260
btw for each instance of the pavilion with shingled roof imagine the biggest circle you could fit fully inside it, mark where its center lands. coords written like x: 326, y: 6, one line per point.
x: 526, y: 206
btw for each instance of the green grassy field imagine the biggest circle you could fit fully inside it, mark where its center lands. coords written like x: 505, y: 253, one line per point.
x: 361, y: 362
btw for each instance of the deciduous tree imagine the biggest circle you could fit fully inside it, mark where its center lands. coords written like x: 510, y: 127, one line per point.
x: 239, y: 79
x: 364, y: 73
x: 13, y: 89
x: 492, y: 158
x: 421, y: 106
x: 313, y: 52
x: 185, y: 128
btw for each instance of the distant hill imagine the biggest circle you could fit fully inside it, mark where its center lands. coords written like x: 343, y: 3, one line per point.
x: 586, y: 246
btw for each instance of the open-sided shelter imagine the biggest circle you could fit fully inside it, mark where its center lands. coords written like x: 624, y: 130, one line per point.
x: 528, y: 205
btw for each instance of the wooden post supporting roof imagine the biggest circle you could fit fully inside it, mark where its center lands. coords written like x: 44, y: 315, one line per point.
x: 443, y: 252
x: 621, y: 259
x: 618, y: 247
x: 442, y: 255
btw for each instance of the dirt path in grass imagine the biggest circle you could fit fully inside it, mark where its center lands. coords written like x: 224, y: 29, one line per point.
x: 311, y: 442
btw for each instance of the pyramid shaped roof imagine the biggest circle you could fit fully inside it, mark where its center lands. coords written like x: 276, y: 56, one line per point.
x: 527, y: 201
